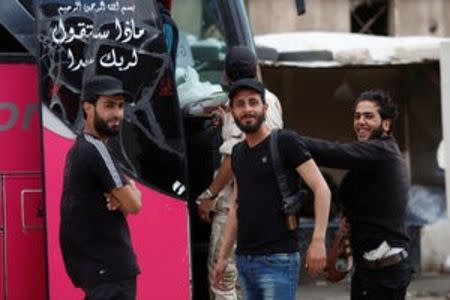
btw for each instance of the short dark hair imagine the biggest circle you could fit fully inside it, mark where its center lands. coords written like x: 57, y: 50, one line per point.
x: 240, y: 63
x: 386, y: 106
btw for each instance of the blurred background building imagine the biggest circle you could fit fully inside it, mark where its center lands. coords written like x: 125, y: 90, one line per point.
x: 319, y: 61
x: 380, y: 17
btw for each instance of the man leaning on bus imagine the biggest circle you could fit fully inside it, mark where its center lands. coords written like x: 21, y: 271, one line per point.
x: 94, y: 235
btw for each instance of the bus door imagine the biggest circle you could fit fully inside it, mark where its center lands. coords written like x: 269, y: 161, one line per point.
x: 207, y: 28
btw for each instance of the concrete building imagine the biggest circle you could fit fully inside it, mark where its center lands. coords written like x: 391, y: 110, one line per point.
x: 316, y: 90
x: 381, y: 17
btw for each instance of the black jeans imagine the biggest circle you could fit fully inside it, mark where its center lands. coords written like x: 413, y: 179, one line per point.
x: 119, y: 290
x: 388, y: 283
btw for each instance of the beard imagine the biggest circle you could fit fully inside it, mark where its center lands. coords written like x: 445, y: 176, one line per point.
x: 251, y: 128
x: 101, y: 126
x: 377, y: 133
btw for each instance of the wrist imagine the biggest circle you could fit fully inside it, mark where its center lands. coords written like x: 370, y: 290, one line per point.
x: 319, y: 239
x: 210, y: 194
x: 206, y: 195
x: 221, y: 258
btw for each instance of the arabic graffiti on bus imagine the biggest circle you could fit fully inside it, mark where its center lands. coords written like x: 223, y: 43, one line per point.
x: 124, y: 31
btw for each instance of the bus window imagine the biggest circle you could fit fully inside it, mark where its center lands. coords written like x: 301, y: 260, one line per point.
x: 201, y: 51
x: 122, y: 39
x: 9, y: 43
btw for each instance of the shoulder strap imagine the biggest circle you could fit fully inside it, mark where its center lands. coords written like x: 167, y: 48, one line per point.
x: 276, y: 163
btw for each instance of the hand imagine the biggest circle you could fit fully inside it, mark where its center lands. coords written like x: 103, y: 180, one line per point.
x: 112, y: 203
x: 217, y: 117
x: 316, y: 257
x: 133, y: 186
x: 218, y: 274
x: 204, y: 209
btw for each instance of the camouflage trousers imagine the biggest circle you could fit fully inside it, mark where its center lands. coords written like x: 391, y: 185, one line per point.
x: 230, y: 276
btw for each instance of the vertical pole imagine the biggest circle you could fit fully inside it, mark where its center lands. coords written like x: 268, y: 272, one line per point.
x: 445, y: 102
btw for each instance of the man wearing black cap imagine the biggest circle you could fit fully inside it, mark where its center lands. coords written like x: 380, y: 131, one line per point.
x: 214, y: 202
x: 241, y: 63
x: 94, y: 235
x: 268, y: 261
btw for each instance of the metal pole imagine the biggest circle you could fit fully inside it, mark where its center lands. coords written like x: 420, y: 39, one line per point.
x: 445, y: 102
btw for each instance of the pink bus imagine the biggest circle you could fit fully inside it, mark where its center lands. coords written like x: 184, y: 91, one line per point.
x: 164, y: 143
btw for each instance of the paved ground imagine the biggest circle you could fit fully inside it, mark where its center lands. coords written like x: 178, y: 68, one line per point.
x: 424, y: 287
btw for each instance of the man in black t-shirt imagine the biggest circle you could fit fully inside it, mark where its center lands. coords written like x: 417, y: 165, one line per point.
x: 374, y: 194
x: 267, y: 251
x: 94, y: 235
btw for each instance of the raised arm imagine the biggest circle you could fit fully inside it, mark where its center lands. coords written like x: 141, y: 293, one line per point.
x: 356, y: 155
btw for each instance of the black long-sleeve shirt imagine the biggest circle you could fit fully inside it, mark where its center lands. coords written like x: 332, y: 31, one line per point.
x: 375, y: 191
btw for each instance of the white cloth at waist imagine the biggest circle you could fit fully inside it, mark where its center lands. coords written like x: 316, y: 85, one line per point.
x: 382, y: 251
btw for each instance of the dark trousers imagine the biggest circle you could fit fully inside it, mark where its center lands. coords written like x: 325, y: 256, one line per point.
x: 389, y: 283
x: 119, y: 290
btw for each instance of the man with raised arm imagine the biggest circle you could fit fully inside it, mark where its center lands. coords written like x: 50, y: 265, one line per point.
x: 374, y: 194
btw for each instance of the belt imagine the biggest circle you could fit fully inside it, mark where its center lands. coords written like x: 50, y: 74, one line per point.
x: 383, y: 262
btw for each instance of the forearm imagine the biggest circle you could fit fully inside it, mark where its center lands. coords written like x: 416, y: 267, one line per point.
x: 321, y: 212
x: 129, y: 197
x: 223, y: 177
x: 229, y: 234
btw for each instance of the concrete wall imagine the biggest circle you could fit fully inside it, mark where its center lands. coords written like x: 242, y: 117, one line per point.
x: 406, y: 17
x: 419, y: 17
x: 281, y: 16
x: 436, y: 238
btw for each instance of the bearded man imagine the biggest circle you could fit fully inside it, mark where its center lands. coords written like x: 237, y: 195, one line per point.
x: 267, y: 254
x: 374, y: 194
x: 94, y: 235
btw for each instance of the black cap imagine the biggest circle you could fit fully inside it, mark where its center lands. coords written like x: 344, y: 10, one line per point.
x: 240, y: 63
x: 102, y: 85
x: 247, y: 83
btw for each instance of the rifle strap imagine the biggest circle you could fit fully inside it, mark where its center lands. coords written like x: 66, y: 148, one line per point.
x: 276, y: 163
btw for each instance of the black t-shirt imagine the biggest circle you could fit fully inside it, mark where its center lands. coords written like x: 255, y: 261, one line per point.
x: 261, y: 222
x: 95, y: 242
x: 374, y: 192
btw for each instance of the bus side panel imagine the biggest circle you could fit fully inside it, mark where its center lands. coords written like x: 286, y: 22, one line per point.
x: 24, y: 236
x: 161, y: 240
x: 159, y: 234
x: 22, y: 221
x: 19, y: 118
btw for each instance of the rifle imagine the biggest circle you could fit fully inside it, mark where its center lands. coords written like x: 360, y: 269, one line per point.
x: 292, y: 201
x: 339, y: 258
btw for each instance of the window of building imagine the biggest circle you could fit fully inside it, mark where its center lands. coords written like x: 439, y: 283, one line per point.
x: 370, y: 17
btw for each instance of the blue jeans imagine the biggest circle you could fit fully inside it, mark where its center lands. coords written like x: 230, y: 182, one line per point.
x: 272, y: 276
